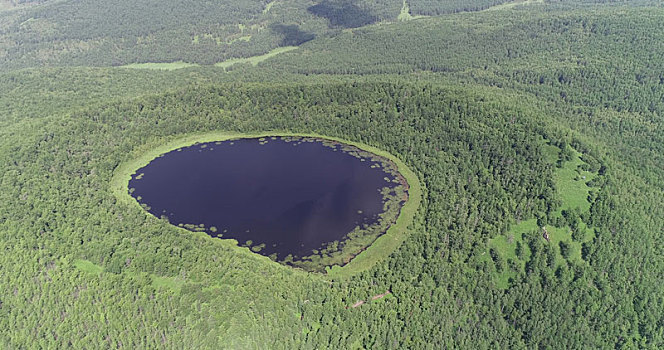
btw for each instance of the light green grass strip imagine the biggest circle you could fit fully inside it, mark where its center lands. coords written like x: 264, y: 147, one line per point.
x: 160, y: 66
x: 268, y: 7
x: 245, y: 38
x: 380, y: 249
x: 254, y: 60
x: 172, y: 283
x: 396, y: 234
x: 88, y: 266
x: 571, y: 184
x: 405, y: 15
x: 405, y: 12
x: 512, y: 4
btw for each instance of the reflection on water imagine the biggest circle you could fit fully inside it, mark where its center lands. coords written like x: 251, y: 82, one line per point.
x: 283, y: 196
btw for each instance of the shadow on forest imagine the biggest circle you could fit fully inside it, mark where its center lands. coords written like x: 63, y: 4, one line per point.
x: 292, y: 35
x: 343, y: 14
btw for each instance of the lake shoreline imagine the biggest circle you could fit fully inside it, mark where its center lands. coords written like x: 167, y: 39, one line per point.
x: 383, y: 244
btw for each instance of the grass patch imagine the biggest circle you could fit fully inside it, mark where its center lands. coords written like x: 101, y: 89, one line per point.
x: 268, y: 7
x: 551, y: 152
x: 512, y: 250
x: 88, y: 267
x: 512, y: 4
x: 405, y: 12
x: 405, y: 15
x: 571, y: 183
x: 254, y: 60
x: 382, y: 247
x: 245, y: 38
x: 173, y: 284
x: 160, y: 66
x: 507, y: 246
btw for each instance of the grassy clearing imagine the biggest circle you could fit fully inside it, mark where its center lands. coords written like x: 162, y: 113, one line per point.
x: 88, y: 267
x: 506, y: 246
x: 570, y: 181
x: 268, y: 7
x: 173, y: 284
x: 160, y: 66
x: 254, y: 60
x: 380, y: 249
x: 405, y: 12
x: 551, y: 152
x: 512, y: 4
x: 405, y: 15
x: 245, y: 38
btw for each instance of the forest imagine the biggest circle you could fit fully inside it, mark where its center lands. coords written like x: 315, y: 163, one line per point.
x: 534, y: 128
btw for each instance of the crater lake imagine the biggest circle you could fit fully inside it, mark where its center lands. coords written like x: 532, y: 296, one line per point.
x: 289, y: 198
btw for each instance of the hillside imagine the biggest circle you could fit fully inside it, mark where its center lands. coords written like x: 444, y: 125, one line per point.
x: 529, y: 120
x: 94, y: 33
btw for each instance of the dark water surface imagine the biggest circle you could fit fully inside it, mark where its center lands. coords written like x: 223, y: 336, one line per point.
x: 291, y: 196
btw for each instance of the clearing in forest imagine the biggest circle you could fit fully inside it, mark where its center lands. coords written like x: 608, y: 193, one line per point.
x: 405, y: 13
x: 254, y: 60
x: 510, y: 251
x: 160, y: 66
x: 512, y: 4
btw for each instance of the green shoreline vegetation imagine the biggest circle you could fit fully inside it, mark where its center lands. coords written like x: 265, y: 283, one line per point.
x: 370, y: 252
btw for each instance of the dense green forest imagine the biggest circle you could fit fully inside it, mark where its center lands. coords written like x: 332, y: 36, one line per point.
x: 525, y: 120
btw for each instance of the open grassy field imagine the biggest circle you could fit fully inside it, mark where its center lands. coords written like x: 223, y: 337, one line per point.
x: 571, y: 183
x: 160, y: 66
x: 254, y: 60
x: 172, y: 283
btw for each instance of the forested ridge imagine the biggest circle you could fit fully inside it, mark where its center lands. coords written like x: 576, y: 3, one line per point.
x: 94, y: 33
x: 532, y: 119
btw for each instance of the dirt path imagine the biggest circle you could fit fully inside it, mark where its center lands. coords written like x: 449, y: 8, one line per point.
x: 377, y: 296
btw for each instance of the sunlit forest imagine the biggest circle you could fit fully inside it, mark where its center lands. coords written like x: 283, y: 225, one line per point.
x: 535, y: 128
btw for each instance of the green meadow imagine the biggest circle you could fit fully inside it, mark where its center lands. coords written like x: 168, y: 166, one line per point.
x: 512, y: 248
x: 160, y: 66
x: 254, y: 60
